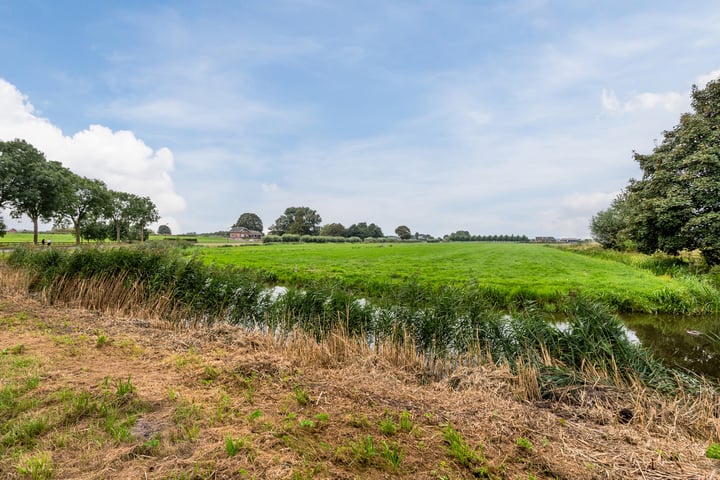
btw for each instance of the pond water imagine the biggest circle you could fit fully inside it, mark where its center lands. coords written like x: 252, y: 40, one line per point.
x: 687, y: 342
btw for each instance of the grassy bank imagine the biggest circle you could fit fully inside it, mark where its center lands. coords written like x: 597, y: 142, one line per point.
x: 447, y: 325
x: 88, y: 395
x: 506, y: 273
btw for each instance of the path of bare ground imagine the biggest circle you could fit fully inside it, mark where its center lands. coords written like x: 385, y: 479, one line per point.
x: 222, y: 403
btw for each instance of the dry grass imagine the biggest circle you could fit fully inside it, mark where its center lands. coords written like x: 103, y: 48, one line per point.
x: 200, y: 386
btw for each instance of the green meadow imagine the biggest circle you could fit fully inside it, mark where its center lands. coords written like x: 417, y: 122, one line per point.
x: 27, y: 237
x: 514, y: 272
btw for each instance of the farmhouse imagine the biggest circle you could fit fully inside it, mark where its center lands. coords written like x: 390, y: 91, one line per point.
x: 242, y: 233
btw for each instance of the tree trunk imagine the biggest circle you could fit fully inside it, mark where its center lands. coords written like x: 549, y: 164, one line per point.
x: 35, y: 229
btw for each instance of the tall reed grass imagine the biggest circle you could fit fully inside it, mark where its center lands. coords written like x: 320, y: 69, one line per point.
x: 446, y: 324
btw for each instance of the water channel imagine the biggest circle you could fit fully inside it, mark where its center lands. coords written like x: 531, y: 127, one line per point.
x: 692, y: 343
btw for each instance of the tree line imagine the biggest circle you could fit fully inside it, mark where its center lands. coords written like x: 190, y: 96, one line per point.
x: 45, y: 190
x: 676, y: 204
x: 465, y: 236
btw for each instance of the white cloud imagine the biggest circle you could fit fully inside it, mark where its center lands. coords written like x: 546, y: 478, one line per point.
x: 703, y: 80
x: 669, y: 101
x: 118, y: 158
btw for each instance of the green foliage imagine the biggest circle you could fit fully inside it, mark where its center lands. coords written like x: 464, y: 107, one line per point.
x: 250, y: 221
x: 713, y: 451
x: 164, y: 230
x: 298, y: 221
x: 674, y: 205
x: 609, y: 227
x: 333, y: 230
x: 301, y: 396
x: 403, y: 232
x: 234, y: 446
x: 465, y: 455
x: 524, y: 444
x: 38, y: 466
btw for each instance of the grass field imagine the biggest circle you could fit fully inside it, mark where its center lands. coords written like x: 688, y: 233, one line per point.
x: 522, y: 270
x: 25, y: 237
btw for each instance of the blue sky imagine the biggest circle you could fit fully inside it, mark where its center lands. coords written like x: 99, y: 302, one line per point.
x: 497, y: 117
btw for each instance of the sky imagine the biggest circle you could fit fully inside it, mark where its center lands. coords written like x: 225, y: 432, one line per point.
x: 495, y: 117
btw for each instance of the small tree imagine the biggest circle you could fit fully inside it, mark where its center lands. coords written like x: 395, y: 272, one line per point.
x: 249, y: 221
x: 164, y: 230
x: 3, y: 227
x: 403, y: 232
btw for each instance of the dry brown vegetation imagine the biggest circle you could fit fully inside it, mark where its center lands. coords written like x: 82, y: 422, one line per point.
x: 128, y: 395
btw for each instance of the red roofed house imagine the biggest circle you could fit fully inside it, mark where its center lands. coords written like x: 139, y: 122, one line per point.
x: 242, y: 233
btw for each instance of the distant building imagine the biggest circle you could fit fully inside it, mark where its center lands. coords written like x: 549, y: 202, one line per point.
x: 242, y: 233
x: 545, y: 240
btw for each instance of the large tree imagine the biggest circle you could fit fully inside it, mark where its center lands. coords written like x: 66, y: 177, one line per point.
x: 38, y: 188
x: 676, y: 203
x: 403, y: 232
x: 297, y: 220
x: 87, y: 201
x: 250, y: 221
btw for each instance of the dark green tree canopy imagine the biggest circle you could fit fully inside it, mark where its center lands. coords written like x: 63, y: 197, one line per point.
x: 297, y: 220
x: 363, y: 230
x: 250, y: 221
x: 31, y: 184
x: 86, y: 201
x: 333, y: 230
x: 676, y: 203
x: 164, y: 230
x: 403, y: 232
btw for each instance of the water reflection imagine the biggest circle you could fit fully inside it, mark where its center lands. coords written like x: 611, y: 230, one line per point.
x: 687, y: 342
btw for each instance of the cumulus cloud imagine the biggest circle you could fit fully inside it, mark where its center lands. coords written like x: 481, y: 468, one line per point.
x: 119, y: 158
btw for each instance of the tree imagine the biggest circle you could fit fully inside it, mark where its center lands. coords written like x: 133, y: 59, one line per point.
x: 86, y: 201
x: 3, y: 227
x: 297, y: 220
x: 39, y: 187
x: 676, y: 203
x: 115, y: 211
x: 249, y: 221
x: 363, y: 230
x: 130, y: 212
x: 141, y: 211
x: 11, y: 154
x: 374, y: 231
x: 403, y: 232
x: 609, y: 227
x: 164, y: 230
x: 333, y: 230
